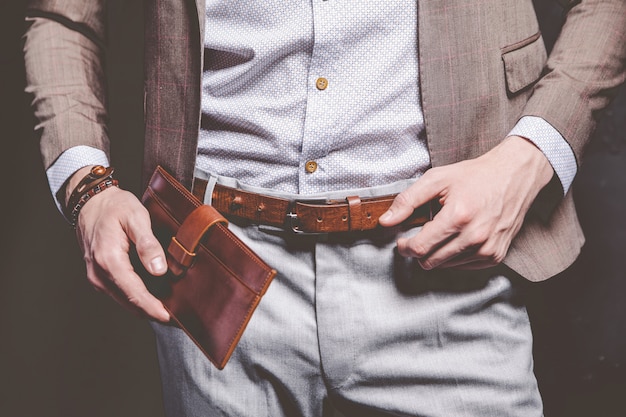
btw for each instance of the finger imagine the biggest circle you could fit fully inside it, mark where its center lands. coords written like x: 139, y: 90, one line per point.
x: 105, y: 287
x: 468, y: 265
x: 103, y: 283
x: 436, y: 257
x: 419, y: 193
x: 136, y: 308
x: 466, y: 251
x: 127, y: 287
x: 432, y: 236
x: 149, y: 250
x: 459, y: 261
x: 454, y: 249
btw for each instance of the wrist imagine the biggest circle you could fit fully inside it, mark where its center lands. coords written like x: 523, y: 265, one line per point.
x: 86, y: 183
x: 532, y: 157
x: 73, y: 181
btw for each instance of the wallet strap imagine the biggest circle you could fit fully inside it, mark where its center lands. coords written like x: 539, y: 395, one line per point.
x: 182, y: 248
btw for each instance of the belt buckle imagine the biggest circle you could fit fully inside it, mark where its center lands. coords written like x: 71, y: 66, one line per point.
x: 291, y: 218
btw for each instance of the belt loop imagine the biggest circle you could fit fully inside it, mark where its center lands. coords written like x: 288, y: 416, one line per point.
x: 355, y: 216
x: 208, y: 193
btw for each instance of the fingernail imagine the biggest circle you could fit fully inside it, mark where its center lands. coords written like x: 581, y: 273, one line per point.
x: 385, y: 216
x: 158, y: 265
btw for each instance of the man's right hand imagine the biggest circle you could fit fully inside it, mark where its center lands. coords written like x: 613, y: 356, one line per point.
x: 108, y: 224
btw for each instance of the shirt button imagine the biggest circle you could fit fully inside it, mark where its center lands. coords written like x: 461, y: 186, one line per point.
x: 321, y: 83
x: 310, y: 166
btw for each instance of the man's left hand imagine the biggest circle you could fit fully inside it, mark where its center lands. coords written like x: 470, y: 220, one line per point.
x: 484, y: 201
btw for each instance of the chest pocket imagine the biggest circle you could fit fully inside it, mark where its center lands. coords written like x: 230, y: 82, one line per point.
x: 524, y: 62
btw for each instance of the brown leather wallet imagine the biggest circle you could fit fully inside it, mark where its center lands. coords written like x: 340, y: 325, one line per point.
x: 214, y: 281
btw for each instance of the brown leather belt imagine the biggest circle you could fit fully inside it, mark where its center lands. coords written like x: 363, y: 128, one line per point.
x: 305, y: 216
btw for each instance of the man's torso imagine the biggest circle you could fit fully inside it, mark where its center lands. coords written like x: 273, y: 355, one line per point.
x: 310, y: 97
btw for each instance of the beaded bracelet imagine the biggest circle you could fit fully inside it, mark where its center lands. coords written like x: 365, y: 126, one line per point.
x: 97, y: 180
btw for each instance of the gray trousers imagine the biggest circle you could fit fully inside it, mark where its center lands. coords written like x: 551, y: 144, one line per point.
x: 349, y: 322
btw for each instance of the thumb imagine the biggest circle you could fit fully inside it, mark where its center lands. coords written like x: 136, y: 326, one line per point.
x: 419, y: 193
x: 148, y: 247
x: 151, y: 254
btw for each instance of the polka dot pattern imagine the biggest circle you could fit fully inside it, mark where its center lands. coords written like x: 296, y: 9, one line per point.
x: 334, y: 82
x: 69, y: 162
x: 552, y: 144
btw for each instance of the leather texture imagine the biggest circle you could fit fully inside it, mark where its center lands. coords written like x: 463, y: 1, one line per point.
x: 96, y: 181
x: 349, y: 215
x: 214, y: 282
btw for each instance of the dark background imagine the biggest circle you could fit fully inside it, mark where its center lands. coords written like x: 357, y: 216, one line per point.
x: 67, y: 351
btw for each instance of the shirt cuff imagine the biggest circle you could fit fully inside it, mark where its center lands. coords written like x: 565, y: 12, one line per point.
x: 553, y: 146
x: 68, y: 163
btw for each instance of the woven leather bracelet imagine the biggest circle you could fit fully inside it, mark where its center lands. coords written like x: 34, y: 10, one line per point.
x: 97, y: 180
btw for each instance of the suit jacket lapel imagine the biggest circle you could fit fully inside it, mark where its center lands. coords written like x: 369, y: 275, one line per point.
x: 173, y: 68
x: 201, y: 6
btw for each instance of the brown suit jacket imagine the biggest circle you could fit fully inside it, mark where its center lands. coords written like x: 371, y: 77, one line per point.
x: 483, y: 65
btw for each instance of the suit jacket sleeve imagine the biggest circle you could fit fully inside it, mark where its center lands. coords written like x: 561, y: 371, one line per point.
x: 583, y: 71
x: 64, y: 52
